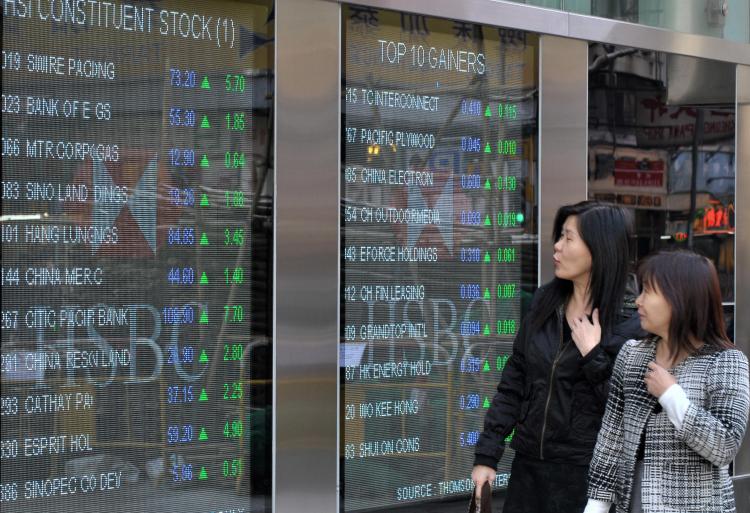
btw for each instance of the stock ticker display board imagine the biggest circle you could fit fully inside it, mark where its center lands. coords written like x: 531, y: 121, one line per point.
x: 439, y: 246
x: 133, y: 173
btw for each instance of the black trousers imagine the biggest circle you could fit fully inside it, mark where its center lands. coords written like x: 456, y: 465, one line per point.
x: 538, y: 486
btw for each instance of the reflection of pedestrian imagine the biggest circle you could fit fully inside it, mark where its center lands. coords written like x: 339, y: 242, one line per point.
x: 554, y: 387
x: 678, y: 406
x: 419, y: 396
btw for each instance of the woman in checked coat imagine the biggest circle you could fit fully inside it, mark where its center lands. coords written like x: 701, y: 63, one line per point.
x: 678, y: 402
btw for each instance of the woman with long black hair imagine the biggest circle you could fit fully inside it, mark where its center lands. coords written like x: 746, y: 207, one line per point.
x: 678, y: 405
x: 554, y: 387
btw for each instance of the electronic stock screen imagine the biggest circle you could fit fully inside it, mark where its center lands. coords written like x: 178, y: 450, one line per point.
x: 133, y: 137
x: 439, y: 245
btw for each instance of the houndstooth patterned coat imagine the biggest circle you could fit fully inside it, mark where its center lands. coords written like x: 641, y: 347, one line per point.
x: 684, y: 470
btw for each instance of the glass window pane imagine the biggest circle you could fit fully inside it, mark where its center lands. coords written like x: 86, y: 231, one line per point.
x: 136, y: 220
x: 439, y: 223
x: 726, y: 19
x: 729, y: 319
x: 653, y: 119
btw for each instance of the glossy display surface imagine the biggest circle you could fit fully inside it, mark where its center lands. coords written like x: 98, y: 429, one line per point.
x: 662, y: 143
x: 439, y: 246
x: 135, y: 256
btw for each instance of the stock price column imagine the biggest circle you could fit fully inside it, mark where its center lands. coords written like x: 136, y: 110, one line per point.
x: 208, y: 140
x: 126, y: 203
x: 438, y: 224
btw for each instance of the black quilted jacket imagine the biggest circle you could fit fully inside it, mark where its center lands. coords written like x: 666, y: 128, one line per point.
x: 551, y: 395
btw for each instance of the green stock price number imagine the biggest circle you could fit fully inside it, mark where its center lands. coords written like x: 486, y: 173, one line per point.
x: 235, y: 121
x: 507, y: 183
x: 506, y: 290
x: 233, y: 352
x: 234, y: 313
x: 234, y: 275
x: 234, y: 199
x: 233, y: 429
x: 234, y: 237
x: 234, y: 83
x: 233, y: 391
x: 506, y: 327
x: 502, y: 361
x: 234, y: 159
x: 232, y: 468
x: 507, y: 111
x: 509, y: 219
x: 506, y: 255
x: 507, y: 147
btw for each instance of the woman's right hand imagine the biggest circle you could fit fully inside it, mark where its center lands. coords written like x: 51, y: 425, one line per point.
x: 480, y: 475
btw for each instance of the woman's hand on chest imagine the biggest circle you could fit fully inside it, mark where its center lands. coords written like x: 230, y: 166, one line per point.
x: 586, y: 334
x: 658, y: 379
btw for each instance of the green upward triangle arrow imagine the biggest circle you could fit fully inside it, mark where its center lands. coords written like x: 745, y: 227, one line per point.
x: 204, y: 239
x: 203, y: 474
x: 486, y: 329
x: 205, y: 123
x: 486, y: 367
x: 205, y: 84
x: 488, y: 111
x: 204, y: 200
x: 487, y: 148
x: 204, y: 395
x: 204, y: 278
x: 204, y: 161
x: 487, y: 258
x: 204, y: 317
x: 203, y: 357
x: 486, y: 293
x: 486, y: 403
x: 203, y: 436
x: 487, y: 185
x: 487, y: 221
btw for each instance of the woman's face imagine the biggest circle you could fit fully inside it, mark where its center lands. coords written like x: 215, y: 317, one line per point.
x: 654, y: 311
x: 572, y: 257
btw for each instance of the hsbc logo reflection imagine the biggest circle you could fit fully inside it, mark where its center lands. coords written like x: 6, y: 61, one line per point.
x: 442, y: 344
x: 138, y: 349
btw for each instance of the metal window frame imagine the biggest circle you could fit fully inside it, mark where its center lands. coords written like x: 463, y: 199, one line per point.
x: 742, y: 255
x: 565, y: 24
x: 307, y: 188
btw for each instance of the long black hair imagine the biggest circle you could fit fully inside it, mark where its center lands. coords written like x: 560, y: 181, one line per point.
x: 689, y: 283
x: 605, y: 229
